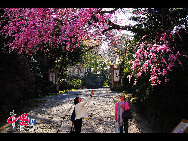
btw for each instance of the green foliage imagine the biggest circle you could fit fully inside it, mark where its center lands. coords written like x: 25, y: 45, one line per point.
x: 125, y: 63
x: 96, y: 72
x: 70, y: 84
x: 77, y: 83
x: 105, y: 84
x: 154, y: 21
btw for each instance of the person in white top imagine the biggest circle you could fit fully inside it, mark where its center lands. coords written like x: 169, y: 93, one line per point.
x: 80, y: 112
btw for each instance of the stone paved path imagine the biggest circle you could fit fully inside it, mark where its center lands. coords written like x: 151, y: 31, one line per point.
x: 53, y: 116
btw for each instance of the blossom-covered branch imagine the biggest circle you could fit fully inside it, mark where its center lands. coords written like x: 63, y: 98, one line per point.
x: 55, y: 27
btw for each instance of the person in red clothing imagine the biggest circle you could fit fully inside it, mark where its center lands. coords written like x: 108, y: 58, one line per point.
x: 121, y: 106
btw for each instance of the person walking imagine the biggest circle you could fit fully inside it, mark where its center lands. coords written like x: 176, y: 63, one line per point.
x: 120, y: 107
x: 80, y: 112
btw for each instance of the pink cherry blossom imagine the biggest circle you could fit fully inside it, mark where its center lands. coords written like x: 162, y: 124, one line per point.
x: 151, y: 56
x: 31, y: 27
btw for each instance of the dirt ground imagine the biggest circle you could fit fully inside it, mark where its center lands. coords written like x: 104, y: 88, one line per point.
x: 53, y: 115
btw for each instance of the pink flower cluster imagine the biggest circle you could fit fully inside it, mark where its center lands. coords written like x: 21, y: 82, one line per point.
x: 155, y: 59
x: 34, y: 28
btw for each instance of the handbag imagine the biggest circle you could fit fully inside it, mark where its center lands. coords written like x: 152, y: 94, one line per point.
x: 72, y: 130
x: 73, y: 115
x: 127, y: 115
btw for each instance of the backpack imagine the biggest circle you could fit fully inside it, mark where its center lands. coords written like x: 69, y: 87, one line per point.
x: 73, y: 115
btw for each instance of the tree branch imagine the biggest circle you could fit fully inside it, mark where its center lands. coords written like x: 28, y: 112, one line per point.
x: 116, y: 26
x: 90, y: 48
x: 110, y: 12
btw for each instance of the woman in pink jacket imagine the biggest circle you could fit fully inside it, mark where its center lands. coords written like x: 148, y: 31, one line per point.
x: 121, y: 106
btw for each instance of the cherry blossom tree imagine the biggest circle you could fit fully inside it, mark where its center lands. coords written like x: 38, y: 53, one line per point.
x: 158, y: 52
x: 155, y: 59
x: 34, y: 29
x: 30, y: 30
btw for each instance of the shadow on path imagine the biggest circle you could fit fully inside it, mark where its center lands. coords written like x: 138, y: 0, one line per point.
x: 53, y: 115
